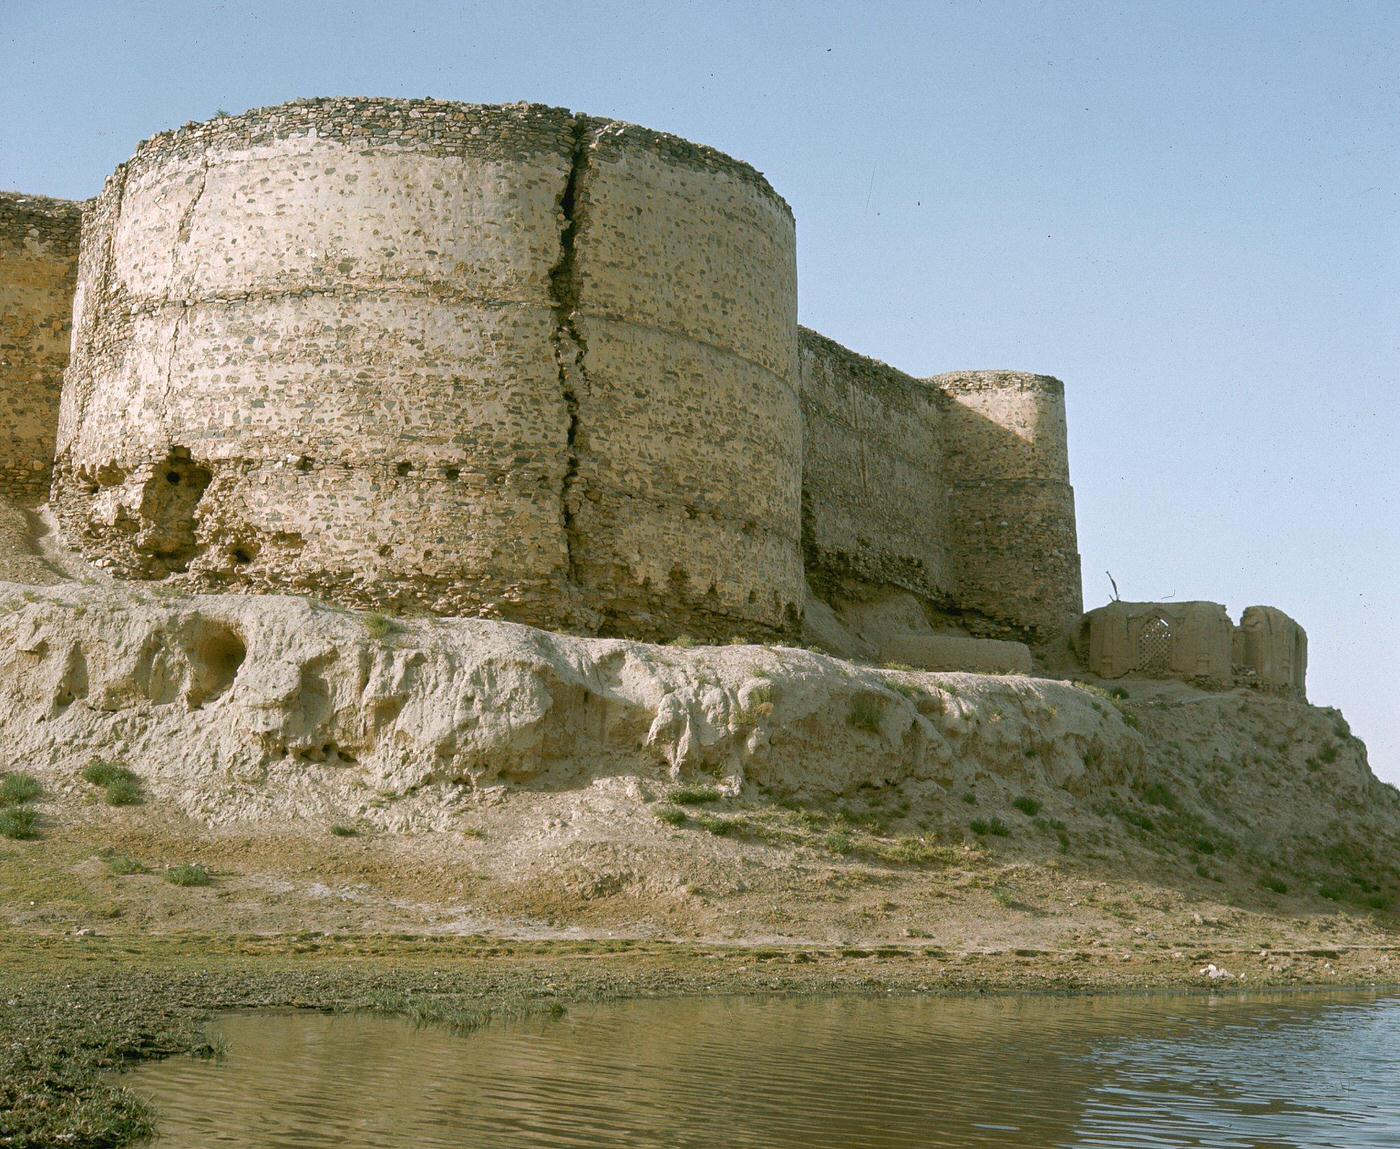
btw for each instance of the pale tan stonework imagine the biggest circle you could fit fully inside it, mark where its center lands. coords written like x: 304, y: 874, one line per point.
x: 513, y: 362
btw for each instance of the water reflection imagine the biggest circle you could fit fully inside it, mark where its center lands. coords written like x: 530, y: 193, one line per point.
x: 781, y: 1074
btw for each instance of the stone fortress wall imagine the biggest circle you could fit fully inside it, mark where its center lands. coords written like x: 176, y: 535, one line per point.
x: 1011, y: 520
x: 954, y: 488
x: 516, y: 362
x: 38, y: 265
x: 475, y: 359
x: 874, y: 500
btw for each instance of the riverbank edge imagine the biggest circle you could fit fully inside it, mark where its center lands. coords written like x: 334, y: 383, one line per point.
x: 73, y: 1008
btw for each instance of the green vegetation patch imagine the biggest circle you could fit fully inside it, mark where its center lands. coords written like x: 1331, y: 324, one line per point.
x: 189, y: 874
x: 866, y: 713
x: 123, y: 792
x: 101, y: 773
x: 123, y: 865
x: 695, y: 795
x: 19, y: 823
x: 121, y: 786
x: 17, y: 789
x: 1027, y: 805
x: 994, y: 827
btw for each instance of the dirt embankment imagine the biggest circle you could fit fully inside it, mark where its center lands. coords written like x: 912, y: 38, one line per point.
x: 350, y: 772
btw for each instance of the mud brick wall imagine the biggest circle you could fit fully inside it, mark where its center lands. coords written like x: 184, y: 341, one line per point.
x: 874, y: 500
x: 38, y: 267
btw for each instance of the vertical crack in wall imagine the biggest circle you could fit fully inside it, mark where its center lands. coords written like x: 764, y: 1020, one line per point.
x: 570, y: 348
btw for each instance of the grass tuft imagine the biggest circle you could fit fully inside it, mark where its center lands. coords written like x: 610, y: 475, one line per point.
x: 124, y: 792
x: 17, y: 789
x: 866, y: 712
x: 341, y: 831
x: 672, y: 815
x: 123, y: 865
x: 1027, y: 805
x: 838, y: 842
x: 993, y: 826
x: 190, y: 874
x: 377, y: 624
x: 101, y: 773
x: 695, y: 795
x: 19, y: 822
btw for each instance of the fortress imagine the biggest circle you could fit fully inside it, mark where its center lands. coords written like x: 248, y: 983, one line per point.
x: 514, y: 362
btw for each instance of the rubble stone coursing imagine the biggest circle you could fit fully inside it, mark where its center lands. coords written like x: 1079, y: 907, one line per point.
x: 874, y: 499
x: 497, y: 360
x: 955, y: 488
x: 515, y: 362
x: 38, y: 264
x: 1011, y: 506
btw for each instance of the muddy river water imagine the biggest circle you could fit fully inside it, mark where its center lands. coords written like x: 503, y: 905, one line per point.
x: 1169, y: 1071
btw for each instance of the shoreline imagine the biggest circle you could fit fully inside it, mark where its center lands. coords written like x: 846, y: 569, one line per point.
x: 73, y: 1009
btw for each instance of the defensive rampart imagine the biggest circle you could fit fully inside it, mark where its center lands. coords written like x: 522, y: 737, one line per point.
x: 516, y: 362
x: 1011, y: 507
x: 874, y: 502
x: 485, y: 360
x: 38, y: 264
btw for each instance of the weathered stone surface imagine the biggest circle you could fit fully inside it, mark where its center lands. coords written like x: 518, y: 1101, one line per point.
x: 957, y: 652
x: 1011, y: 505
x: 1164, y: 639
x: 236, y: 706
x: 38, y: 265
x: 483, y: 360
x: 1273, y: 648
x: 513, y: 362
x: 874, y: 494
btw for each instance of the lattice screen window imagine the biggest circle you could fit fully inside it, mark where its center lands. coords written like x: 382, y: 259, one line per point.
x: 1155, y: 646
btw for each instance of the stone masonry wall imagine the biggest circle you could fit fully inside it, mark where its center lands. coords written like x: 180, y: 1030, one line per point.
x: 1012, y: 527
x: 874, y: 502
x: 495, y: 360
x: 681, y: 284
x: 38, y: 266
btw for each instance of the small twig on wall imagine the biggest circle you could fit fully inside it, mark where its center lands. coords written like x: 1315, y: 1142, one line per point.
x: 1115, y: 586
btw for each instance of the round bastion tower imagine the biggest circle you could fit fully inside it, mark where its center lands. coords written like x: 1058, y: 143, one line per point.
x: 1006, y: 462
x: 498, y: 360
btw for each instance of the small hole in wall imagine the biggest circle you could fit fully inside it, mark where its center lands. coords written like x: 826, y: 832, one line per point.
x: 451, y: 473
x: 241, y: 556
x: 385, y: 551
x: 304, y: 464
x: 173, y: 478
x: 403, y: 469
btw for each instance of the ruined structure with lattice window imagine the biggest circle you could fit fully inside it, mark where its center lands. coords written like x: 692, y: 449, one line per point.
x: 1195, y: 640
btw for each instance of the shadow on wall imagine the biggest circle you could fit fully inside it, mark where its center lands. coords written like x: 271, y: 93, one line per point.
x: 954, y: 489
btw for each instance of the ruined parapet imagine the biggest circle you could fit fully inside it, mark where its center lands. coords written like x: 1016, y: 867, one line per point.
x: 38, y: 265
x: 1011, y: 506
x: 1188, y: 640
x: 957, y: 652
x: 874, y: 502
x: 476, y: 359
x: 1272, y: 649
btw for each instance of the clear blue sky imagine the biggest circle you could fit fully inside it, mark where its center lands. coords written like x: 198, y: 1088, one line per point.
x: 1190, y: 212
